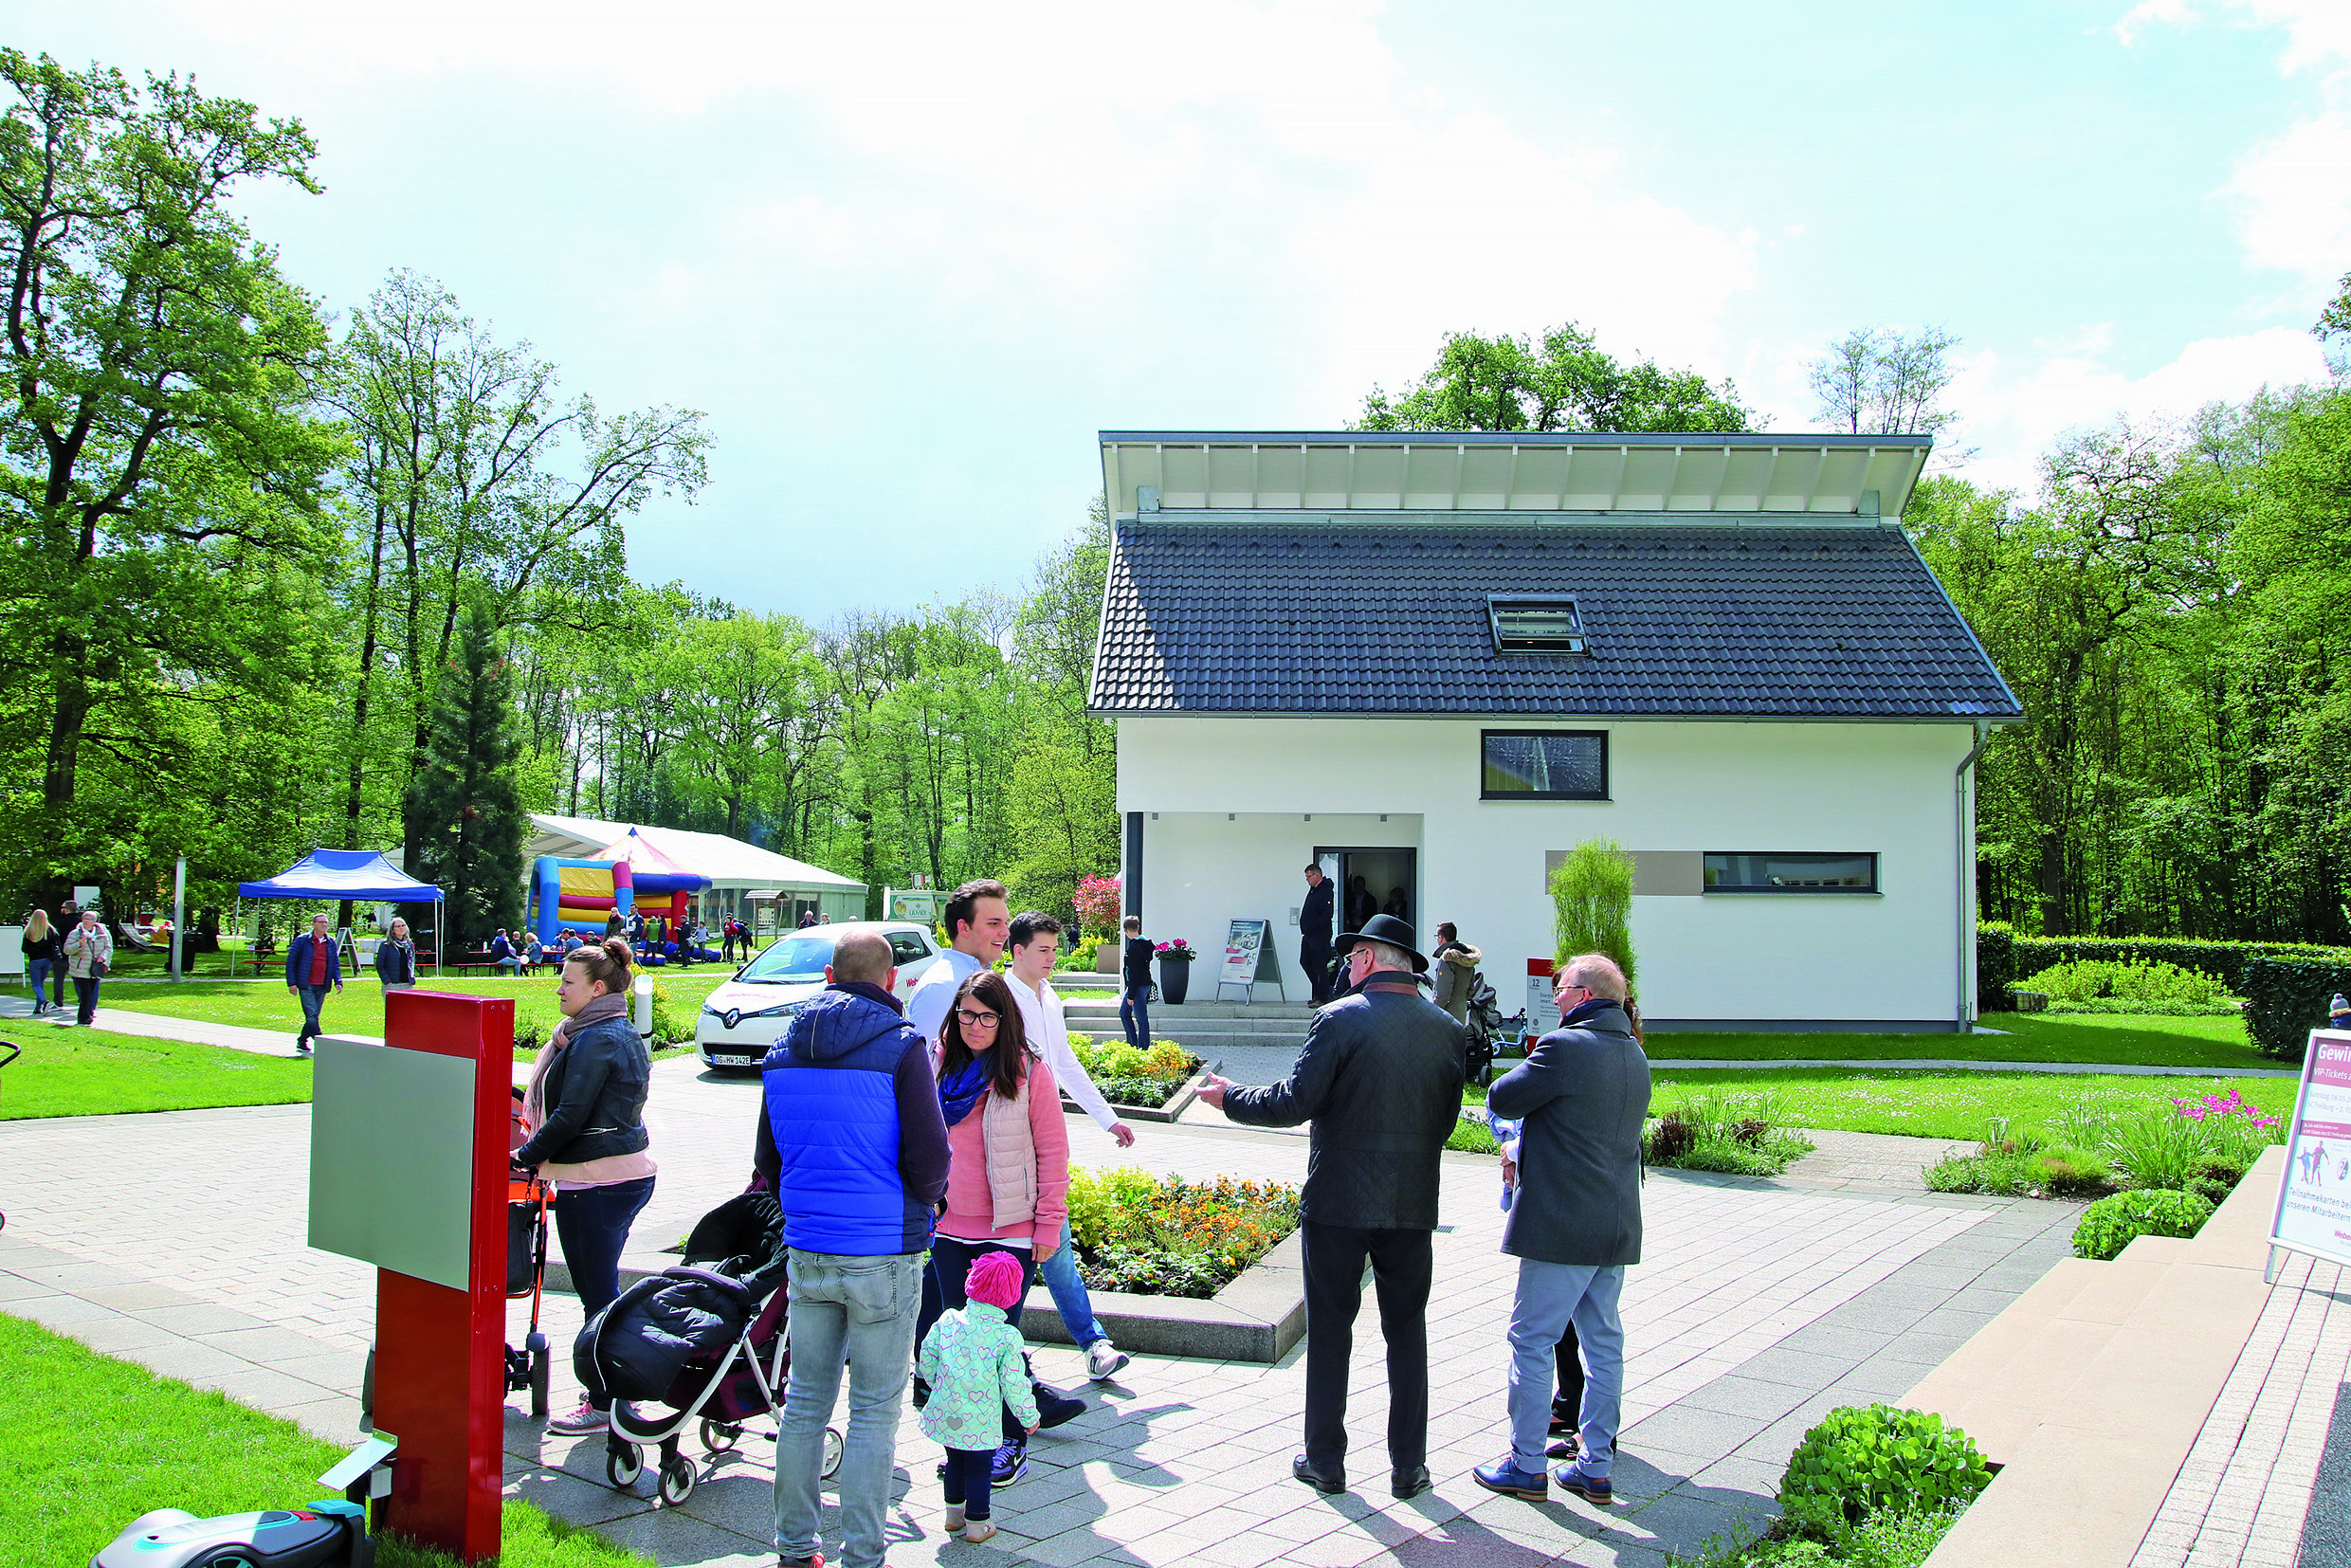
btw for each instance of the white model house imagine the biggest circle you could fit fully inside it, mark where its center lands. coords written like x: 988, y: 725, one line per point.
x: 1437, y: 661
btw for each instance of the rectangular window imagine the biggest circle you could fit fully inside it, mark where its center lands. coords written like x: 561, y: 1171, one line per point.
x: 1798, y: 873
x: 1545, y: 765
x: 1526, y: 624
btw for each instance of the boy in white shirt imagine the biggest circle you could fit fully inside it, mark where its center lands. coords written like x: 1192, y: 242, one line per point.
x: 1034, y: 942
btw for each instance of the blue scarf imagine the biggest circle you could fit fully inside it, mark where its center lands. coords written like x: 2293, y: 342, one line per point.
x: 958, y: 1094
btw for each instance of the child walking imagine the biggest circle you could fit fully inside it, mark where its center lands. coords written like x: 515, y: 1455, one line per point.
x: 971, y: 1359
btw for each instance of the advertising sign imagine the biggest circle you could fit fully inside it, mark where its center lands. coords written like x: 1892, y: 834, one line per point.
x: 1244, y: 940
x: 1542, y: 1008
x: 2314, y: 1202
x: 900, y: 903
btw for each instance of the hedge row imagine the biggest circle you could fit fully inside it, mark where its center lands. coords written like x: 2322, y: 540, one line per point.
x: 2003, y: 959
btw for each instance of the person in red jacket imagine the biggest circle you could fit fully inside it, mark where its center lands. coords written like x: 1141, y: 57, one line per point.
x: 312, y: 964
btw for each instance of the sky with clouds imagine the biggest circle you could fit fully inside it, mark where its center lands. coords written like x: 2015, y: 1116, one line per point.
x: 909, y: 259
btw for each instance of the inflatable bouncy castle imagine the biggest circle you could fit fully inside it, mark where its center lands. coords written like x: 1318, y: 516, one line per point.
x: 630, y: 876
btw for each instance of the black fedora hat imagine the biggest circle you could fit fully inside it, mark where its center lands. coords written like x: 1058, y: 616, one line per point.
x: 1396, y: 933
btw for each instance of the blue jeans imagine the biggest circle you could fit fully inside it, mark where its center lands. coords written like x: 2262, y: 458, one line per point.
x: 1550, y: 1296
x: 861, y: 1311
x: 1060, y: 1272
x: 969, y: 1472
x: 41, y: 975
x: 314, y: 998
x: 1135, y: 1016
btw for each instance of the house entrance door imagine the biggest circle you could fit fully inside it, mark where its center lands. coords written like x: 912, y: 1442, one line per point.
x: 1372, y: 881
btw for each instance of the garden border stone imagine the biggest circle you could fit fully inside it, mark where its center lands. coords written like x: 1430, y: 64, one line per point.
x: 1260, y: 1317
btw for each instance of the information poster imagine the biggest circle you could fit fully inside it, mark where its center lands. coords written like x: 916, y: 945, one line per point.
x: 922, y: 905
x: 2314, y: 1204
x: 1244, y: 941
x: 1542, y: 1008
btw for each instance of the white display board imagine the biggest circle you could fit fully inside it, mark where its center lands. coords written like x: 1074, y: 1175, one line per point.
x: 2314, y: 1201
x: 1543, y: 1007
x: 11, y: 951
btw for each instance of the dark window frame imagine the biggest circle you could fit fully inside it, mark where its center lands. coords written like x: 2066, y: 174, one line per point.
x: 1486, y: 735
x: 1496, y: 604
x: 1875, y: 889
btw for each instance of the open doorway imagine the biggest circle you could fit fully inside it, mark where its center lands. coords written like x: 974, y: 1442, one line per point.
x: 1372, y: 882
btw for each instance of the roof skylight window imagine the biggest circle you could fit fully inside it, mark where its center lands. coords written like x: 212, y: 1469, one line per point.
x: 1531, y: 624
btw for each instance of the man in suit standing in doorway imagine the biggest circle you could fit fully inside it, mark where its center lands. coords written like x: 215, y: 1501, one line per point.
x: 1314, y: 934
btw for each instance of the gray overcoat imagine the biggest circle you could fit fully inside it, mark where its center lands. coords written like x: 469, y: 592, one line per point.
x: 1583, y: 1094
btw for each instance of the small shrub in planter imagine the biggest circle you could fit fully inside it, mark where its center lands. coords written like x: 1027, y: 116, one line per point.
x: 2113, y: 1223
x: 1873, y: 1460
x: 1742, y: 1135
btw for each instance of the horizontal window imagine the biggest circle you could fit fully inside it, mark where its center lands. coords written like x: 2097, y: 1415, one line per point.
x: 1545, y: 765
x: 1796, y: 873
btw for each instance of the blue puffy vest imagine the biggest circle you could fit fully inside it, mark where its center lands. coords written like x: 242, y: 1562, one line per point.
x: 833, y: 1106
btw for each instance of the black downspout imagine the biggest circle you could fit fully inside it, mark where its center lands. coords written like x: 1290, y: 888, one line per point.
x: 1135, y: 864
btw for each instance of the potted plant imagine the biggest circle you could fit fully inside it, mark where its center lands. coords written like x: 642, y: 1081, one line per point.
x: 1175, y: 969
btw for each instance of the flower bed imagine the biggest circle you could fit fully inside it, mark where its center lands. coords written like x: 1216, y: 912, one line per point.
x: 1140, y: 1080
x: 1148, y: 1235
x: 1712, y: 1130
x: 2203, y: 1146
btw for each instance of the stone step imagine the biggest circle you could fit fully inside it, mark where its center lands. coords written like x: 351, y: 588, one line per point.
x: 1298, y: 1012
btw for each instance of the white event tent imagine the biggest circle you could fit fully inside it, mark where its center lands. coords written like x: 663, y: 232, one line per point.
x: 758, y: 885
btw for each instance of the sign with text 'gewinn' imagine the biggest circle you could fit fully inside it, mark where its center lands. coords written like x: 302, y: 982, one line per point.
x: 2314, y: 1201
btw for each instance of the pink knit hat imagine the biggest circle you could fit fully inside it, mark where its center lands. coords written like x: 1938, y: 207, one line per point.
x: 994, y: 1279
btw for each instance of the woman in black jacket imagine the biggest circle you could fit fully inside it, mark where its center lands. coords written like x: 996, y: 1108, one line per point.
x: 586, y: 1111
x: 44, y: 956
x: 395, y: 958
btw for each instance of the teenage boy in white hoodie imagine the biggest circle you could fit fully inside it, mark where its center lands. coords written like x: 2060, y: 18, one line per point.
x: 1034, y: 942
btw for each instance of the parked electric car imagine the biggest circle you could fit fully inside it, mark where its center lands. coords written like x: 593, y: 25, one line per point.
x: 749, y: 1013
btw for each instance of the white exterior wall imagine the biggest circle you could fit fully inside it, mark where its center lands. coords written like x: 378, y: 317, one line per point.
x: 1893, y: 956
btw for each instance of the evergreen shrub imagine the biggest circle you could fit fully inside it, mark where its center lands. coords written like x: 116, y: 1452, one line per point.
x: 1874, y: 1460
x: 1591, y: 903
x: 2003, y: 954
x: 2111, y: 1224
x: 2128, y: 985
x: 2287, y: 997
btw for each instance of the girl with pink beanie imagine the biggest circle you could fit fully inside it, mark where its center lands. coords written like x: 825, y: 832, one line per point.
x: 971, y: 1359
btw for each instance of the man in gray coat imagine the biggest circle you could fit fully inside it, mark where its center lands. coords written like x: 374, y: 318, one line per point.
x: 1380, y: 1079
x: 1575, y: 1223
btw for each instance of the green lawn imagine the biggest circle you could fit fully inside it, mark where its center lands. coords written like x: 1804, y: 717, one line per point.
x: 359, y: 1010
x: 95, y: 1441
x: 1953, y: 1104
x: 2030, y: 1037
x: 90, y: 1071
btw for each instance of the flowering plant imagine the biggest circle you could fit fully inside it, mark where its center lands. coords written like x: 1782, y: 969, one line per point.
x: 1177, y: 949
x: 1097, y: 901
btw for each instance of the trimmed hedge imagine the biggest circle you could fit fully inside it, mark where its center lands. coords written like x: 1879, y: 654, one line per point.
x: 2287, y: 998
x: 2003, y: 957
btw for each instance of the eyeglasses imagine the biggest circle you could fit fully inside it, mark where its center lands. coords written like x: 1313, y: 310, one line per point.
x: 976, y: 1020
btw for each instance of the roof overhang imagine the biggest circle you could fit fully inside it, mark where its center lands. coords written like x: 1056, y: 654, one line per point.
x: 1146, y: 471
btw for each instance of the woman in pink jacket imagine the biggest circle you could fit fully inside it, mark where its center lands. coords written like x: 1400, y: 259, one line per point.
x: 1008, y: 1171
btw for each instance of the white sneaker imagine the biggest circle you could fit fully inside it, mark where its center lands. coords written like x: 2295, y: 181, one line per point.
x: 580, y: 1422
x: 1104, y: 1359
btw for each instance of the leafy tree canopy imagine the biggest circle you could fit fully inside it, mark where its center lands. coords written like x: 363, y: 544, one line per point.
x: 1567, y: 382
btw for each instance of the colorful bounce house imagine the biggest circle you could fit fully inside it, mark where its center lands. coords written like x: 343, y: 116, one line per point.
x: 631, y: 877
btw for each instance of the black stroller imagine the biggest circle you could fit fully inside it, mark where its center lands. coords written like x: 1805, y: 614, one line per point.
x: 526, y: 1272
x: 1485, y: 1027
x: 710, y: 1343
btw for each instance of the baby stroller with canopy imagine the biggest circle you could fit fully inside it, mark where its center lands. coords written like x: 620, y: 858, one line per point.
x: 711, y: 1343
x: 1485, y: 1029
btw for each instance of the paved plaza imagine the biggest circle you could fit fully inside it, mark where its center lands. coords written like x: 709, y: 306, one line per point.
x: 1761, y: 1305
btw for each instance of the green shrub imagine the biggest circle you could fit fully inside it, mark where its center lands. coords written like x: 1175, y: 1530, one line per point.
x: 1995, y: 965
x: 1591, y: 903
x: 1471, y: 1136
x: 1882, y: 1541
x: 2226, y: 961
x: 2113, y: 1223
x: 1874, y: 1460
x: 2055, y: 1172
x: 2287, y: 997
x: 2127, y: 985
x: 1096, y: 1196
x: 1738, y: 1134
x: 1145, y: 1093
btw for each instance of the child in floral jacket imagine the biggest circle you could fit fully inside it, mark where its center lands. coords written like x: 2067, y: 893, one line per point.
x: 972, y: 1360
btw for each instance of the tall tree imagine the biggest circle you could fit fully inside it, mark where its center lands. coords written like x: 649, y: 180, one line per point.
x: 464, y: 797
x: 1567, y: 383
x: 1880, y: 382
x: 161, y: 464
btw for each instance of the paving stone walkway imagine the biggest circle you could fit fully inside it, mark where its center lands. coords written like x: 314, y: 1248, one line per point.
x: 1760, y: 1307
x: 2254, y: 1492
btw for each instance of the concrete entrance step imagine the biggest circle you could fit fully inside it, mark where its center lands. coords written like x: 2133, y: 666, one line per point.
x: 1296, y: 1012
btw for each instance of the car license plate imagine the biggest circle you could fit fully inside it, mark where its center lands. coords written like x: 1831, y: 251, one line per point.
x: 723, y: 1060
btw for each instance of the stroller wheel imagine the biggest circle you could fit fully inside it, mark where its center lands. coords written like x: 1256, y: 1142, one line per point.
x: 833, y: 1454
x: 623, y: 1464
x: 720, y: 1436
x: 676, y: 1480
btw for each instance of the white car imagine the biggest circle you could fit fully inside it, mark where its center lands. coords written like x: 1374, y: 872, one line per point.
x: 749, y: 1014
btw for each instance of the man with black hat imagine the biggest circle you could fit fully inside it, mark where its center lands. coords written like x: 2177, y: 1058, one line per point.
x: 1380, y: 1079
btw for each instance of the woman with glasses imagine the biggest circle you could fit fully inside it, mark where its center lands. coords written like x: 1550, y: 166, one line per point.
x: 1008, y: 1168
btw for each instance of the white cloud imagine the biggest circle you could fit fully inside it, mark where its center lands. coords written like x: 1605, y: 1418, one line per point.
x: 2293, y: 198
x: 2318, y: 32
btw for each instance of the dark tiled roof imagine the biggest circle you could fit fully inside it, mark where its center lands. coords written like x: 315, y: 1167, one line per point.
x: 1760, y: 621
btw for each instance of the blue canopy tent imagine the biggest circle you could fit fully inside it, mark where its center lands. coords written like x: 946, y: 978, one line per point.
x: 362, y: 875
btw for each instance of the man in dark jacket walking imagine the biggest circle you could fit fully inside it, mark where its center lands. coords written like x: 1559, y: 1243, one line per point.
x: 853, y: 1142
x: 313, y: 962
x: 1314, y: 934
x: 1575, y: 1223
x: 1380, y: 1079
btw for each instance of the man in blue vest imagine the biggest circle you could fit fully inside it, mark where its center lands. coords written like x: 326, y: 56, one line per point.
x: 853, y: 1143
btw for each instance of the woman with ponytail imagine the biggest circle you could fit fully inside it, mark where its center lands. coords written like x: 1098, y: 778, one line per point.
x: 586, y: 1111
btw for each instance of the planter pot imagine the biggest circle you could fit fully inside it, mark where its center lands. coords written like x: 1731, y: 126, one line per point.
x: 1106, y: 958
x: 1174, y: 977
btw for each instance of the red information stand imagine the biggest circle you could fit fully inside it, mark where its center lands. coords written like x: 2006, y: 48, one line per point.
x: 440, y: 1357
